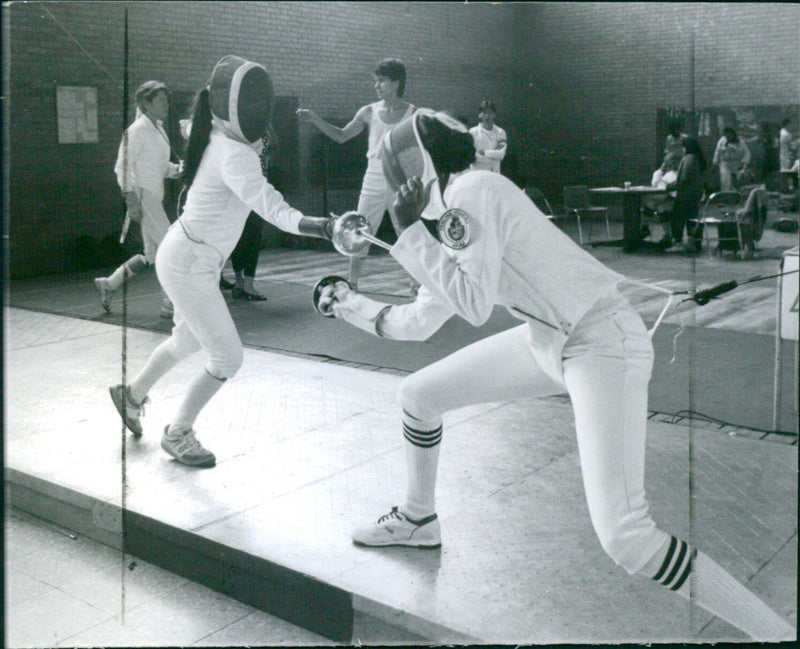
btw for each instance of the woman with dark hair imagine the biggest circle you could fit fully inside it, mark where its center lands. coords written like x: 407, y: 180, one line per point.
x: 579, y: 335
x: 688, y: 193
x: 224, y: 180
x: 142, y: 164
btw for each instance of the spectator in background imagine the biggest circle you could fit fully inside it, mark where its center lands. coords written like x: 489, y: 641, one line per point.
x: 688, y: 194
x: 732, y: 155
x: 787, y: 147
x: 490, y: 140
x: 673, y: 148
x: 769, y: 159
x: 378, y: 118
x: 142, y: 164
x: 663, y: 177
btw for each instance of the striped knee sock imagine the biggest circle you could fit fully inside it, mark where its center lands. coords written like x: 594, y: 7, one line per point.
x: 422, y: 442
x: 717, y: 591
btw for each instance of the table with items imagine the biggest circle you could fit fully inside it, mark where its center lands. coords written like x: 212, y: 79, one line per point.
x: 632, y: 196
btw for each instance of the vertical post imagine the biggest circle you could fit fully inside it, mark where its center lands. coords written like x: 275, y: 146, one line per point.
x: 692, y: 98
x: 776, y: 379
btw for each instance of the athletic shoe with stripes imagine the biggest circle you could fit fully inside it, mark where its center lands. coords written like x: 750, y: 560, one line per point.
x: 128, y: 409
x: 395, y: 528
x: 184, y: 447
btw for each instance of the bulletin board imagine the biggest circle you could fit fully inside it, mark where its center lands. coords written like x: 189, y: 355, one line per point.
x: 76, y: 110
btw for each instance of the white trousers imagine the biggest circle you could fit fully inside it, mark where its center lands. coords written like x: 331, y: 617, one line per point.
x: 154, y: 224
x: 189, y: 274
x: 605, y: 367
x: 375, y: 199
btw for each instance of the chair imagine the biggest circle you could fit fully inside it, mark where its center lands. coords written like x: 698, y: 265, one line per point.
x: 540, y: 200
x: 750, y: 220
x: 716, y: 215
x: 576, y: 201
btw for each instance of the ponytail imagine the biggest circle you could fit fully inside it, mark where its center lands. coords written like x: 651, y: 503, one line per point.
x: 199, y: 137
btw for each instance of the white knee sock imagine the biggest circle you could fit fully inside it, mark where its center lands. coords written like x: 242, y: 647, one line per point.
x: 161, y: 361
x: 126, y: 271
x: 197, y: 396
x: 713, y: 588
x: 422, y: 442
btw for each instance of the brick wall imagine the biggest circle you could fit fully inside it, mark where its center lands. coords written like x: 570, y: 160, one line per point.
x: 598, y: 72
x: 577, y: 84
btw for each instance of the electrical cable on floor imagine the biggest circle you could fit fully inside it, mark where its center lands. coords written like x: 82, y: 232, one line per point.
x: 693, y: 414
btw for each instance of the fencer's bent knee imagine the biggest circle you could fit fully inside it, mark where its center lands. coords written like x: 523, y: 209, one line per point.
x: 225, y: 363
x: 630, y: 541
x: 417, y: 398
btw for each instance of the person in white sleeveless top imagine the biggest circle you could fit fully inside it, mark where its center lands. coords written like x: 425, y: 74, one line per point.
x: 490, y: 140
x: 378, y: 118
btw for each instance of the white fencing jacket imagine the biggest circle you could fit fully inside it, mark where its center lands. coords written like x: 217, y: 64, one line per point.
x: 515, y: 257
x: 143, y: 158
x: 229, y: 185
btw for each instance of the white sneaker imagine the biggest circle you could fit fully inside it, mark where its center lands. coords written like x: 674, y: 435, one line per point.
x: 106, y: 292
x: 395, y: 528
x: 186, y: 449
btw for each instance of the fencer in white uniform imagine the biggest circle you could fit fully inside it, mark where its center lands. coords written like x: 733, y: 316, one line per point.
x: 225, y: 180
x: 579, y: 335
x: 143, y: 162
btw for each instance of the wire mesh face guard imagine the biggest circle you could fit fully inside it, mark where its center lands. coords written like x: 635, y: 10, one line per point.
x: 241, y: 95
x: 403, y: 154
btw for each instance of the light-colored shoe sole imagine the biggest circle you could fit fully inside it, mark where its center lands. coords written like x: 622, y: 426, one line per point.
x: 201, y: 464
x: 418, y: 546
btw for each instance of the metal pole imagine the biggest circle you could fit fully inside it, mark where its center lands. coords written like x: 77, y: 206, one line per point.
x: 776, y: 381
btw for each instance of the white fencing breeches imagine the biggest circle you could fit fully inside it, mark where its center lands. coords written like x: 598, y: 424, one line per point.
x: 189, y: 273
x: 605, y: 367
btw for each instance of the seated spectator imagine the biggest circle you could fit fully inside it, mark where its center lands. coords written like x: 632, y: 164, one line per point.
x: 663, y: 177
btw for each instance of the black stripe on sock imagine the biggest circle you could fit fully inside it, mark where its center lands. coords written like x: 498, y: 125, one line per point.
x: 678, y: 563
x: 422, y: 433
x: 667, y: 560
x: 410, y: 416
x: 421, y: 438
x: 422, y: 521
x: 424, y: 443
x: 686, y: 571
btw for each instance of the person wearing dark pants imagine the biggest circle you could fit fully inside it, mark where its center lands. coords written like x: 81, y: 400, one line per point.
x: 688, y: 194
x: 244, y: 260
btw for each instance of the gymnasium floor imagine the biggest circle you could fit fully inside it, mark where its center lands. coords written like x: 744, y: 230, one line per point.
x: 310, y: 446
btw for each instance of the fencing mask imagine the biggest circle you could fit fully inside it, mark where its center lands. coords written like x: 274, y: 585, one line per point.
x: 241, y: 97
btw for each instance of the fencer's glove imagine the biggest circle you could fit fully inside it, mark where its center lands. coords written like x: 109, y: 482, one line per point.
x: 409, y: 202
x: 352, y: 307
x: 316, y: 226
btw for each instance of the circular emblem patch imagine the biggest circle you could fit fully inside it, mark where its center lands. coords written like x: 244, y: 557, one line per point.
x: 454, y: 229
